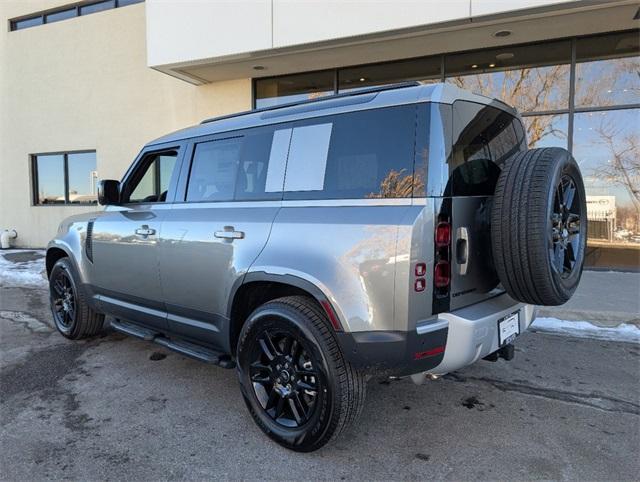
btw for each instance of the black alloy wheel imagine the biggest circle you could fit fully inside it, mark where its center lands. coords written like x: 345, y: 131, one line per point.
x: 285, y: 378
x: 72, y: 314
x: 63, y: 300
x: 565, y: 227
x: 297, y: 385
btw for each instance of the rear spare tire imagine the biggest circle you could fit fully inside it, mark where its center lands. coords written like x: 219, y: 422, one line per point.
x: 539, y: 226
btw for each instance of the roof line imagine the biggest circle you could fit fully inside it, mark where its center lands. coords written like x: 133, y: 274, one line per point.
x: 368, y: 90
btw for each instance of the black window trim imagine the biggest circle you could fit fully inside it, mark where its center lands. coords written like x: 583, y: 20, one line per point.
x: 42, y: 15
x: 137, y: 165
x: 33, y: 158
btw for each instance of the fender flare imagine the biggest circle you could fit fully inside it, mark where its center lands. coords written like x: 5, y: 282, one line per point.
x: 336, y: 317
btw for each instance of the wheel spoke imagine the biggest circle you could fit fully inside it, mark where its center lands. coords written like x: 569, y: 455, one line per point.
x: 286, y: 347
x: 568, y: 195
x: 58, y: 287
x: 303, y: 385
x: 271, y: 401
x: 279, y: 407
x: 267, y: 346
x: 296, y: 409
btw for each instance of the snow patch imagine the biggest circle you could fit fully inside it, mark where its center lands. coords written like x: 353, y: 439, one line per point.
x: 27, y: 273
x: 583, y: 329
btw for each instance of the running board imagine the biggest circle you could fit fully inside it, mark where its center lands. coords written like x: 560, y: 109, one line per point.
x: 191, y: 350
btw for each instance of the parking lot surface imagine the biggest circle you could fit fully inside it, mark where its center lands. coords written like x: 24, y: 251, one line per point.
x: 119, y: 408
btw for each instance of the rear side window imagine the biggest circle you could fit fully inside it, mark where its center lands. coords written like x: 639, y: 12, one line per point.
x: 213, y: 170
x: 358, y: 155
x: 484, y: 138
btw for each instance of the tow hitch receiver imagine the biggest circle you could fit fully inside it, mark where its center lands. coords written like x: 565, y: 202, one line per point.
x: 507, y: 352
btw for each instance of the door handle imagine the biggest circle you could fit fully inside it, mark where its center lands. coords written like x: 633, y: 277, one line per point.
x: 229, y: 233
x: 145, y: 231
x: 462, y: 250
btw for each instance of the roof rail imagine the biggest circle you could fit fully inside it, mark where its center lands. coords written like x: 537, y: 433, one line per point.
x: 368, y: 90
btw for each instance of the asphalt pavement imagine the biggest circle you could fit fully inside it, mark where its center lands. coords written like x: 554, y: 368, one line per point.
x: 118, y: 408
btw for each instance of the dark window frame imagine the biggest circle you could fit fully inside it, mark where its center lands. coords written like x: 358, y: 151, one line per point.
x: 138, y: 169
x: 33, y: 161
x: 77, y: 6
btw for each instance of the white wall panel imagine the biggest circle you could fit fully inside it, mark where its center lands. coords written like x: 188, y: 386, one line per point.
x: 181, y: 31
x: 303, y: 21
x: 488, y: 7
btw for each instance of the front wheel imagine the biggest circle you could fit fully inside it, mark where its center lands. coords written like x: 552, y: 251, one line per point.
x: 72, y: 314
x: 299, y: 389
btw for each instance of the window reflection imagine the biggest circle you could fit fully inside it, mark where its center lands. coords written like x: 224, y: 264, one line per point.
x: 50, y: 179
x: 294, y: 88
x: 426, y: 70
x: 608, y: 70
x: 607, y: 147
x: 527, y: 89
x: 531, y: 78
x: 546, y: 130
x: 82, y: 177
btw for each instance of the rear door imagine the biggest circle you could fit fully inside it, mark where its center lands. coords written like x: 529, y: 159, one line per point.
x: 484, y: 137
x: 230, y: 197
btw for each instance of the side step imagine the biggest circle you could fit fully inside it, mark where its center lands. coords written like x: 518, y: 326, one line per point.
x: 191, y: 350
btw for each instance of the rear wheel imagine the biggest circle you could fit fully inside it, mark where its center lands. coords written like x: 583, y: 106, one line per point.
x: 539, y: 226
x: 295, y: 382
x: 72, y: 315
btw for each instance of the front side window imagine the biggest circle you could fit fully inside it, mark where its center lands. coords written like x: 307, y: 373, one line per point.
x: 65, y: 178
x: 359, y: 155
x: 150, y: 183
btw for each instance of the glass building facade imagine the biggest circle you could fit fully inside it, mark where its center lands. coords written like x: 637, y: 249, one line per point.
x: 582, y: 94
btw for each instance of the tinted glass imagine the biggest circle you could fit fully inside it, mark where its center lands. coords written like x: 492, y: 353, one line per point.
x: 255, y: 164
x: 425, y: 69
x: 26, y: 23
x: 531, y: 78
x: 124, y: 3
x: 360, y: 155
x: 213, y: 170
x: 82, y: 177
x: 293, y: 88
x: 61, y: 15
x: 97, y: 7
x: 547, y: 130
x: 483, y: 139
x: 153, y: 186
x: 607, y: 148
x: 50, y: 179
x: 607, y: 70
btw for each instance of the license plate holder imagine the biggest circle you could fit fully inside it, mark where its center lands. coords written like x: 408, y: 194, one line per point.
x: 508, y: 328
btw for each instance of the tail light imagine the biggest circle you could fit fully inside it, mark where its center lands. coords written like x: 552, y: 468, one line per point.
x: 442, y: 274
x: 443, y: 235
x: 442, y: 267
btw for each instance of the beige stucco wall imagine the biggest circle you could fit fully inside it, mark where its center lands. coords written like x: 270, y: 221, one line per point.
x: 83, y: 83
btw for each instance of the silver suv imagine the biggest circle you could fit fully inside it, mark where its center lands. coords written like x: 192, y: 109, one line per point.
x: 404, y: 230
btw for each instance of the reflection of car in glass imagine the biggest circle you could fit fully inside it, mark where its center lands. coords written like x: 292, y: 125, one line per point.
x: 398, y: 231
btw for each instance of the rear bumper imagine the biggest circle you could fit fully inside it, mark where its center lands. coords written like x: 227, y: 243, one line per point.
x: 473, y: 331
x: 437, y: 346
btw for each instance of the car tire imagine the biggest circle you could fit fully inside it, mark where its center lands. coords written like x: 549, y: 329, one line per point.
x: 73, y: 316
x: 325, y: 393
x: 539, y: 226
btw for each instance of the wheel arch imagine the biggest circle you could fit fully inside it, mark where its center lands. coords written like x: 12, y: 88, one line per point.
x: 54, y: 253
x: 257, y: 288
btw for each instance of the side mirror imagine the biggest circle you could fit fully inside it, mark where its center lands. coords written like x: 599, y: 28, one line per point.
x: 108, y: 192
